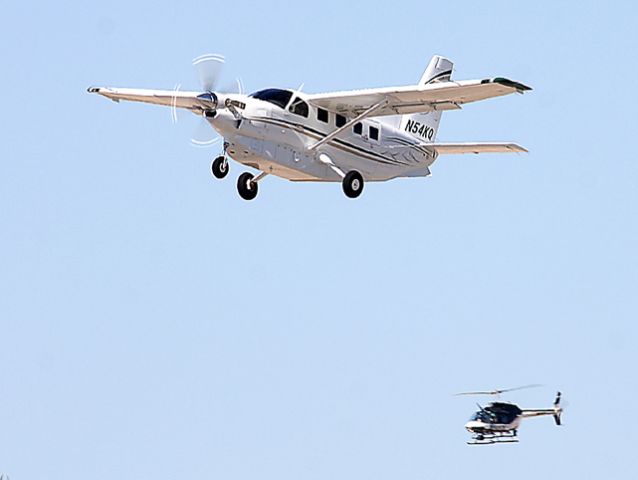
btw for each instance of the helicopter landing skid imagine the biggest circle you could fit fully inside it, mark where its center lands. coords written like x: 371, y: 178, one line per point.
x: 492, y: 439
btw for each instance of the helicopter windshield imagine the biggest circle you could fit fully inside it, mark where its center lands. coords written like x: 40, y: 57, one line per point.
x: 276, y: 96
x: 482, y: 416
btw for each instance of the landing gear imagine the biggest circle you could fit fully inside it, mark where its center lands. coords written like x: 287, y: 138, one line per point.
x: 247, y: 186
x: 490, y: 438
x: 219, y: 167
x: 352, y: 184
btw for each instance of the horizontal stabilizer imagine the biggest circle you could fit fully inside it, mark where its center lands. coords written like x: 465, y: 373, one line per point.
x: 459, y: 148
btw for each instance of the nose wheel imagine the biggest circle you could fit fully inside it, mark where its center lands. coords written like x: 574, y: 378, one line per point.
x: 219, y: 167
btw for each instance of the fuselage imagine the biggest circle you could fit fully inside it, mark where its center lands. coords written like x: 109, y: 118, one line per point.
x: 273, y: 130
x: 495, y: 417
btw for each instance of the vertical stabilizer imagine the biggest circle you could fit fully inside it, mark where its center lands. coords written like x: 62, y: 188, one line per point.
x: 423, y: 126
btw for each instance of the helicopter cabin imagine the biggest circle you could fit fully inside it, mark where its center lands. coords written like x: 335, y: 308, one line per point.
x: 498, y: 413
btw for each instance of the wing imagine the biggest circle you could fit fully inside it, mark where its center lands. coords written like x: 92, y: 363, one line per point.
x: 458, y: 148
x: 167, y: 98
x: 416, y: 99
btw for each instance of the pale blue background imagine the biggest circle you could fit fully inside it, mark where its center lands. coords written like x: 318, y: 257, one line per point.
x: 153, y: 325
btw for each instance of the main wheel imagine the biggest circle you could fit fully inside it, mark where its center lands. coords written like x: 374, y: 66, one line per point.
x: 219, y: 167
x: 246, y: 187
x: 352, y: 184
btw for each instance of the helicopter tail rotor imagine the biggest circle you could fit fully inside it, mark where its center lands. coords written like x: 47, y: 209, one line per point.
x: 558, y: 410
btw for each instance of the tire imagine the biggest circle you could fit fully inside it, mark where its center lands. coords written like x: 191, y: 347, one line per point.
x: 246, y: 187
x: 219, y: 167
x: 352, y: 184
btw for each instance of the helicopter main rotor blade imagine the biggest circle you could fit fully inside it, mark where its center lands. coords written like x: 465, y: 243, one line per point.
x: 498, y: 392
x: 524, y: 387
x: 473, y: 393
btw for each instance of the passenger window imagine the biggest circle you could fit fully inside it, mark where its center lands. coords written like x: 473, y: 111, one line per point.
x: 340, y: 121
x: 322, y: 115
x: 358, y: 128
x: 374, y: 133
x: 299, y: 107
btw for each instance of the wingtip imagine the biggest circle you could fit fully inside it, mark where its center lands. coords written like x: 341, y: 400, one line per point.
x: 520, y: 87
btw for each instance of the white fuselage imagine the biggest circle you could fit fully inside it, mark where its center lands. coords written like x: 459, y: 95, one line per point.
x: 276, y: 141
x: 477, y: 426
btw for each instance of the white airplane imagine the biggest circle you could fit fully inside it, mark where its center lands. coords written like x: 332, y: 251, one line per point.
x: 349, y: 137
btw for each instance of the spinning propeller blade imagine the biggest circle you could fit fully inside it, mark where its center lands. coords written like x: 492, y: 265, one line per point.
x: 209, y: 68
x: 204, y: 135
x: 235, y: 87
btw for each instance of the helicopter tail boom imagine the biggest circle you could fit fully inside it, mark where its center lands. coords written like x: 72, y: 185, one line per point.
x: 555, y: 412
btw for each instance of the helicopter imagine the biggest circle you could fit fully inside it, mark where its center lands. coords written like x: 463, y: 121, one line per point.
x: 498, y: 422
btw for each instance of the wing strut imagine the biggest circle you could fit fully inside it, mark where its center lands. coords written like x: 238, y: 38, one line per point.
x: 326, y: 160
x: 349, y: 124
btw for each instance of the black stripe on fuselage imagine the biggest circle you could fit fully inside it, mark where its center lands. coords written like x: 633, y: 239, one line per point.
x: 419, y: 147
x: 371, y: 155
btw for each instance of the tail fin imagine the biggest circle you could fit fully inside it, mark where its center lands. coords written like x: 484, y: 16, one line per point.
x: 558, y: 410
x: 424, y: 126
x: 439, y: 70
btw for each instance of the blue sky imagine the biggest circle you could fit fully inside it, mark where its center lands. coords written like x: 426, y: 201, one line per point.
x: 153, y: 325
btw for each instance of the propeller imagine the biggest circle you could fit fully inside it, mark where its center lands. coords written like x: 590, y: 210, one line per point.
x: 498, y: 392
x: 208, y: 69
x: 558, y: 410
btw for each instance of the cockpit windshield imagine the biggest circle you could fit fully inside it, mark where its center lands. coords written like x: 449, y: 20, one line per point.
x: 276, y: 96
x: 482, y: 416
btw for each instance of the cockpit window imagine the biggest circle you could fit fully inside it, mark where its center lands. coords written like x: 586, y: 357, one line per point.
x: 278, y: 97
x: 299, y: 107
x: 482, y: 416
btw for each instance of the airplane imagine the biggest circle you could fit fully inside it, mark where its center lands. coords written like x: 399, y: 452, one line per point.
x: 351, y: 137
x: 498, y: 422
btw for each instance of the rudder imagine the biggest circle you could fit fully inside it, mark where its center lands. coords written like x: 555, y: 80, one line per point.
x: 424, y: 126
